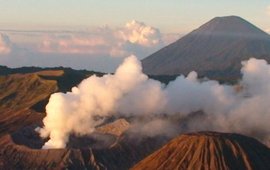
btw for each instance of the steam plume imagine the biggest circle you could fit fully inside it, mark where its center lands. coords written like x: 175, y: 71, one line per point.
x: 129, y: 92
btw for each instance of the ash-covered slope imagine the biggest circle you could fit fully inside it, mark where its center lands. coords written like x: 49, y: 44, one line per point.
x: 23, y: 97
x: 104, y: 149
x: 18, y: 94
x: 24, y: 93
x: 215, y: 49
x: 209, y: 150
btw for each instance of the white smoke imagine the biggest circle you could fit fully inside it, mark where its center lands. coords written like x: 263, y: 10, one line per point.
x: 129, y: 92
x: 80, y: 110
x: 252, y: 111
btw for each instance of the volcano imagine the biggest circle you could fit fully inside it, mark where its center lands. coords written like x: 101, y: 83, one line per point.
x: 209, y: 150
x: 24, y: 94
x: 108, y: 148
x: 215, y: 50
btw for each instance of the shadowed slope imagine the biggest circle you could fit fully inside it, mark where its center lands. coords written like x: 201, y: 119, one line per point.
x: 209, y: 150
x: 215, y: 50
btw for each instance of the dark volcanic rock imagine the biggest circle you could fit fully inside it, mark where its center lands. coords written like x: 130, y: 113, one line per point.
x: 209, y: 150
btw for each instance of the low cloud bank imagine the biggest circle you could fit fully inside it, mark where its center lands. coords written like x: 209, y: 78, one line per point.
x: 99, y: 49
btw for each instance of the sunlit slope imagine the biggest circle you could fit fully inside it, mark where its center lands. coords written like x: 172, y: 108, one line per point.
x: 209, y: 150
x: 18, y: 93
x: 24, y: 95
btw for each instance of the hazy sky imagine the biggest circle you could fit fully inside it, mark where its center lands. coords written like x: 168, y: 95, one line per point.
x: 99, y: 34
x: 167, y: 15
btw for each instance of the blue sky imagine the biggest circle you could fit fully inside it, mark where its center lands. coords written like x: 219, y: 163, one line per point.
x: 167, y: 15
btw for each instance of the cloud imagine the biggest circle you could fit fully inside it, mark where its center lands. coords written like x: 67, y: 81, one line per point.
x: 93, y: 43
x: 99, y: 49
x: 138, y: 33
x: 71, y: 44
x: 133, y: 38
x: 5, y: 44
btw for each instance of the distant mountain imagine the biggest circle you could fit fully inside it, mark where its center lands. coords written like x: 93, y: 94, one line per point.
x: 4, y: 70
x: 215, y: 49
x: 209, y: 150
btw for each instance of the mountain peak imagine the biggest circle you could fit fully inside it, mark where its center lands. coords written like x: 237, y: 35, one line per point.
x: 231, y: 26
x: 214, y: 50
x: 209, y: 150
x: 230, y: 17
